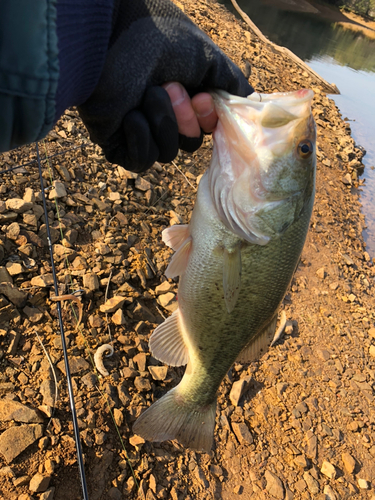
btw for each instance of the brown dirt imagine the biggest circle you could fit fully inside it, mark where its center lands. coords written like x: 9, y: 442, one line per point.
x: 311, y: 396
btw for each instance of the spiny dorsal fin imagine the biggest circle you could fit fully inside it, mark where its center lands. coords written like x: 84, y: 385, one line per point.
x: 259, y: 345
x: 231, y: 277
x: 179, y: 261
x: 167, y: 342
x: 174, y: 236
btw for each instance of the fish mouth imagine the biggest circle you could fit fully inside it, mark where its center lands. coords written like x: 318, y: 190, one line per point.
x: 294, y: 98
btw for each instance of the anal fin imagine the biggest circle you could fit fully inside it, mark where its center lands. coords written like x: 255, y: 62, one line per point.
x: 167, y: 342
x: 231, y: 276
x: 259, y: 345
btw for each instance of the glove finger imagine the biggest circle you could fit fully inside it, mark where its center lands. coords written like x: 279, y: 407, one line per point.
x: 190, y: 144
x: 135, y: 149
x: 157, y: 108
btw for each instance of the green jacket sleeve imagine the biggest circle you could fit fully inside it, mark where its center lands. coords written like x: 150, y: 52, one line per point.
x: 29, y: 70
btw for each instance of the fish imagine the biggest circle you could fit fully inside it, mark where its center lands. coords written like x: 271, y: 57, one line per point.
x: 237, y: 256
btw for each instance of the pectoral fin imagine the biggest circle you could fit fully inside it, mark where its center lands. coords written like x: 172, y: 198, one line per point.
x: 231, y: 277
x: 259, y: 345
x: 174, y: 236
x: 179, y: 261
x: 167, y: 342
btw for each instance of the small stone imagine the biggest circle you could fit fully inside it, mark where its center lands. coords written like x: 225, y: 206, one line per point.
x: 58, y: 190
x: 311, y: 444
x: 274, y: 485
x: 33, y: 313
x: 76, y: 365
x: 39, y: 483
x: 21, y: 481
x: 328, y: 470
x: 312, y: 483
x: 141, y: 360
x: 158, y: 372
x: 14, y: 268
x: 347, y: 180
x: 142, y: 384
x: 372, y: 351
x: 363, y: 484
x: 242, y: 433
x: 119, y: 317
x: 16, y: 439
x: 113, y: 304
x: 5, y: 277
x: 142, y: 184
x: 48, y: 494
x: 47, y: 390
x: 13, y: 231
x: 329, y: 493
x: 238, y: 390
x: 118, y: 416
x: 237, y: 490
x: 371, y: 333
x: 45, y: 280
x: 301, y: 461
x: 281, y: 388
x: 142, y: 312
x: 6, y: 471
x: 348, y: 261
x: 61, y: 253
x: 321, y: 273
x: 166, y: 299
x: 19, y: 206
x: 12, y: 410
x: 29, y: 195
x: 136, y: 440
x: 349, y: 462
x: 163, y: 288
x: 91, y: 281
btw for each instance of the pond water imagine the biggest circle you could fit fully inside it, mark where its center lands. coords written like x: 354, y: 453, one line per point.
x: 340, y: 55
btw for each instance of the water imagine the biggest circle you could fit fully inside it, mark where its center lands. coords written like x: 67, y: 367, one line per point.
x: 341, y: 56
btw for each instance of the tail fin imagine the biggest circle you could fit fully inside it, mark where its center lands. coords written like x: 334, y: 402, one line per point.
x: 168, y: 419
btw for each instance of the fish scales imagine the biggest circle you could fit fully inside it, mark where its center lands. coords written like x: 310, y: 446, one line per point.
x: 237, y: 256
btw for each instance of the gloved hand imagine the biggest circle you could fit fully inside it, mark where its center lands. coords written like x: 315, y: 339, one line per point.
x: 129, y: 114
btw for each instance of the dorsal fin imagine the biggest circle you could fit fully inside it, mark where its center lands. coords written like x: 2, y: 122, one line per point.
x: 175, y: 235
x: 231, y: 276
x: 259, y: 345
x: 167, y: 342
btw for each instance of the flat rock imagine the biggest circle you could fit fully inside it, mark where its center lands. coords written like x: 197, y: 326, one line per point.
x: 48, y: 494
x: 39, y: 483
x: 311, y: 444
x: 17, y: 205
x: 10, y: 291
x: 119, y: 317
x: 91, y: 281
x: 158, y: 372
x: 5, y: 277
x: 142, y: 184
x: 58, y: 191
x: 33, y: 313
x: 144, y: 313
x: 47, y: 390
x: 12, y: 410
x: 113, y: 304
x: 14, y: 268
x: 13, y: 231
x: 312, y: 483
x: 238, y: 390
x: 242, y: 433
x: 44, y: 280
x: 163, y: 288
x: 349, y: 462
x: 328, y: 470
x: 76, y: 365
x: 16, y: 439
x: 274, y: 485
x: 60, y: 253
x: 166, y: 299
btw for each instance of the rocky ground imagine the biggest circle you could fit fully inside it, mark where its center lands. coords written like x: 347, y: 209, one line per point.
x: 304, y: 427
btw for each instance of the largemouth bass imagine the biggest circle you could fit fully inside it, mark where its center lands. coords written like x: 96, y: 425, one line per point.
x: 237, y: 256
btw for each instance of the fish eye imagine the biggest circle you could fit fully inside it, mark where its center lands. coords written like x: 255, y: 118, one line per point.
x: 305, y: 149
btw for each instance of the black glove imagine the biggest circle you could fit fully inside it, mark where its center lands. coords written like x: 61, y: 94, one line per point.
x: 129, y: 115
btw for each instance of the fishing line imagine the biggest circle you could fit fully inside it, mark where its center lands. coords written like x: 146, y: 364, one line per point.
x: 65, y: 352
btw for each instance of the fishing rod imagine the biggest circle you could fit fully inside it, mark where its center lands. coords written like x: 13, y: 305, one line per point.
x: 81, y: 466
